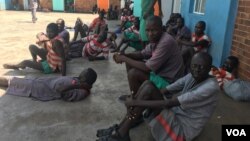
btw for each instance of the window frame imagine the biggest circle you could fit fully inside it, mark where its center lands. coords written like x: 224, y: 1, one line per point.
x: 199, y: 7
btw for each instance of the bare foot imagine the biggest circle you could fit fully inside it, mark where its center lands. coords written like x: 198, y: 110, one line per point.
x: 9, y: 66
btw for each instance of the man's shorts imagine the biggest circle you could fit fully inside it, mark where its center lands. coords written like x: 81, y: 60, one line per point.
x: 132, y: 36
x: 46, y: 68
x: 158, y: 81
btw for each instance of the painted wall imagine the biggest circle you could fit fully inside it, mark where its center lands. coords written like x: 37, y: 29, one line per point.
x: 58, y: 5
x: 115, y: 3
x: 220, y: 17
x: 103, y: 4
x: 84, y: 5
x: 26, y: 5
x: 166, y: 9
x: 2, y: 5
x: 241, y: 39
x: 122, y: 4
x: 46, y: 5
x: 8, y: 5
x: 137, y: 8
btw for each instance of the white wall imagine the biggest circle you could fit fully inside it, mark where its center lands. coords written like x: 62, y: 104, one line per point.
x: 169, y: 6
x: 122, y: 3
x: 166, y: 9
x: 26, y: 5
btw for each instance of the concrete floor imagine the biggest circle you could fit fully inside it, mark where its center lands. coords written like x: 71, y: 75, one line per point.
x: 24, y: 119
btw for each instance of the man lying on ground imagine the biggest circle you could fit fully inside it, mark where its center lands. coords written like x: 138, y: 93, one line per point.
x: 51, y: 88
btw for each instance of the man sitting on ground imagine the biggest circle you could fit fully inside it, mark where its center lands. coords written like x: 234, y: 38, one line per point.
x: 92, y: 46
x: 227, y: 72
x: 131, y: 37
x: 55, y: 57
x: 84, y: 30
x: 177, y: 119
x: 97, y: 23
x: 200, y: 41
x: 164, y: 62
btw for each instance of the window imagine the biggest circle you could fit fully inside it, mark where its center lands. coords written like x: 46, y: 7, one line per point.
x: 177, y: 6
x: 199, y: 6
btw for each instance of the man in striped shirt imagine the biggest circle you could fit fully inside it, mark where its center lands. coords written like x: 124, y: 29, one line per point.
x: 96, y: 45
x: 55, y: 58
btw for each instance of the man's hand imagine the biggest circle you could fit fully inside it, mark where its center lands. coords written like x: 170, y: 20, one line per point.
x: 164, y: 91
x: 130, y: 102
x: 118, y: 58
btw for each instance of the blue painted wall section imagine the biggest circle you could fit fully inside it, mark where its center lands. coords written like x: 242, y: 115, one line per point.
x: 58, y: 5
x: 137, y: 8
x: 8, y: 5
x: 2, y: 5
x: 220, y: 17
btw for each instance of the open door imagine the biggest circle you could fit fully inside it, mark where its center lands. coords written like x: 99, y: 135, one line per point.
x: 103, y: 4
x: 69, y: 5
x: 58, y: 5
x: 156, y: 9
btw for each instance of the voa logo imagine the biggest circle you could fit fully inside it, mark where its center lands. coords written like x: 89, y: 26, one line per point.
x: 236, y: 132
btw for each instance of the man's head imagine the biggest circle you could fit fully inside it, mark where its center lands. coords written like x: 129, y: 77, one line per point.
x: 154, y: 28
x: 231, y: 63
x: 61, y: 24
x: 88, y: 76
x: 52, y: 30
x: 129, y: 13
x: 102, y: 14
x: 200, y: 66
x: 200, y: 28
x: 180, y: 22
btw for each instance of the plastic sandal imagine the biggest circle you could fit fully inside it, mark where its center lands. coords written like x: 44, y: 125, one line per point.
x: 106, y: 132
x: 115, y: 137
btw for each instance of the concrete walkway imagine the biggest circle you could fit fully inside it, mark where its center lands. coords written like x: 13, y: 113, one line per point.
x: 24, y: 119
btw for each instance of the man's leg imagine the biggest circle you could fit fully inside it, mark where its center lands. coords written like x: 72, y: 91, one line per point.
x: 77, y: 28
x: 147, y: 91
x: 135, y: 78
x: 119, y: 45
x: 83, y: 31
x: 36, y: 51
x: 3, y: 82
x: 33, y: 13
x: 24, y: 64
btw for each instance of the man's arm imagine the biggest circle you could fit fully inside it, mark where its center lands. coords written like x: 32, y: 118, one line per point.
x: 133, y: 63
x: 137, y: 55
x: 67, y: 38
x: 154, y: 103
x: 193, y: 44
x: 57, y: 46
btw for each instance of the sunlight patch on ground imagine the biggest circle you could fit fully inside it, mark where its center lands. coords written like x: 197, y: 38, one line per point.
x: 2, y: 92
